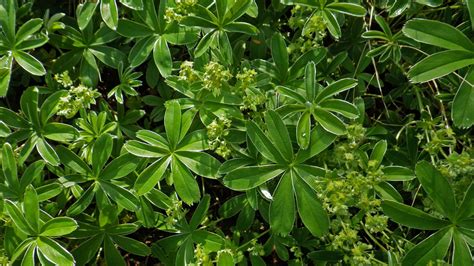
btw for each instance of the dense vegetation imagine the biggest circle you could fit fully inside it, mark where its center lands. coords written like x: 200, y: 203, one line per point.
x: 250, y: 132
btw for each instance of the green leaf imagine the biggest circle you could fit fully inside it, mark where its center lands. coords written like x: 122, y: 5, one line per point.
x: 431, y: 249
x: 9, y: 167
x: 58, y: 226
x: 310, y: 81
x: 378, y: 152
x: 151, y: 175
x: 141, y: 149
x: 249, y: 177
x: 347, y: 9
x: 162, y: 57
x: 437, y: 188
x: 82, y: 203
x: 47, y: 152
x: 184, y: 183
x: 12, y: 119
x: 470, y: 8
x: 279, y: 135
x: 29, y: 106
x: 140, y: 51
x: 280, y: 55
x: 133, y: 29
x: 27, y: 29
x: 320, y: 140
x: 237, y: 10
x: 119, y: 167
x: 462, y: 253
x: 88, y: 249
x: 31, y: 208
x: 263, y: 143
x: 101, y: 152
x: 111, y: 254
x: 84, y: 13
x: 282, y: 207
x: 54, y: 252
x: 17, y: 217
x: 131, y: 245
x: 463, y: 104
x: 60, y: 132
x: 331, y: 23
x: 50, y: 106
x: 398, y: 173
x: 411, y: 217
x: 329, y: 122
x: 200, y: 213
x: 29, y: 63
x: 335, y: 88
x: 310, y: 210
x: 437, y: 33
x: 241, y: 27
x: 225, y: 258
x: 109, y: 13
x: 440, y: 64
x: 341, y: 107
x: 5, y: 74
x: 72, y: 161
x: 29, y: 257
x: 200, y: 163
x: 122, y: 196
x: 172, y: 122
x: 303, y: 130
x: 466, y: 209
x: 108, y: 55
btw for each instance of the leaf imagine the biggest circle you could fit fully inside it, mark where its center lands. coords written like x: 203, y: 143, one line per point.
x: 151, y: 175
x: 437, y: 33
x: 111, y: 254
x: 378, y: 152
x: 347, y: 9
x: 462, y: 253
x: 341, y: 107
x: 29, y: 106
x: 249, y: 177
x: 411, y: 217
x: 58, y: 226
x: 89, y: 71
x: 172, y: 122
x: 466, y: 209
x: 463, y: 104
x: 280, y: 55
x: 279, y: 135
x: 263, y: 143
x: 184, y: 183
x: 310, y: 210
x: 27, y: 29
x: 88, y: 249
x: 241, y: 27
x: 108, y: 55
x: 331, y: 23
x: 320, y: 140
x: 225, y: 258
x: 162, y: 57
x: 109, y: 13
x: 335, y: 88
x: 398, y: 173
x: 470, y: 8
x: 60, y: 132
x: 82, y: 203
x: 131, y: 245
x: 200, y: 163
x: 12, y: 119
x: 72, y: 161
x: 9, y: 167
x: 282, y: 207
x: 119, y: 167
x: 17, y: 217
x: 120, y: 195
x: 141, y: 149
x: 31, y: 208
x: 329, y: 122
x: 84, y: 13
x: 47, y: 152
x: 440, y: 64
x: 201, y: 212
x: 431, y: 249
x: 303, y: 130
x: 437, y: 187
x: 54, y: 252
x: 29, y: 63
x: 141, y: 50
x: 101, y: 152
x: 237, y: 10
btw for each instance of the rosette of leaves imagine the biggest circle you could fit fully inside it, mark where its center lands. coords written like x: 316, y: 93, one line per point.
x: 328, y: 10
x: 86, y: 46
x: 99, y: 179
x: 459, y: 54
x: 319, y: 103
x: 106, y: 234
x: 294, y: 191
x: 181, y: 152
x: 129, y: 80
x: 14, y: 44
x: 40, y: 230
x: 14, y: 187
x: 454, y: 226
x: 217, y: 26
x: 154, y: 34
x: 35, y: 126
x: 179, y: 249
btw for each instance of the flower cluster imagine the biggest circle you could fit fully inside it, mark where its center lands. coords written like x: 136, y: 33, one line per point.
x: 187, y: 72
x: 182, y: 8
x: 215, y: 77
x: 78, y: 97
x: 217, y: 130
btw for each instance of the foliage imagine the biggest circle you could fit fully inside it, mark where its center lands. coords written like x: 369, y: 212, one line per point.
x: 227, y: 132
